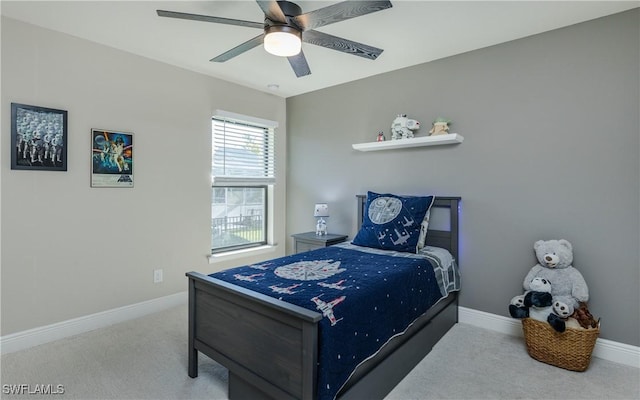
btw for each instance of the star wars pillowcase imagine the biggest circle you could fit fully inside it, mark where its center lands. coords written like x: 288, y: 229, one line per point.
x: 393, y: 222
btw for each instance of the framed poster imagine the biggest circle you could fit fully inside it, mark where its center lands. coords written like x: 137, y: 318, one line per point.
x: 111, y: 158
x: 38, y: 138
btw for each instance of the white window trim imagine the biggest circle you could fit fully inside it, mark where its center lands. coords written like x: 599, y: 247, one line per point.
x: 270, y: 247
x: 245, y: 118
x: 242, y: 253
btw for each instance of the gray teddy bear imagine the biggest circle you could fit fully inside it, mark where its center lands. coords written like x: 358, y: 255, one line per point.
x: 568, y: 287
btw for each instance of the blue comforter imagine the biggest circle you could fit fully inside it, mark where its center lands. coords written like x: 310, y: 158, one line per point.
x: 366, y: 296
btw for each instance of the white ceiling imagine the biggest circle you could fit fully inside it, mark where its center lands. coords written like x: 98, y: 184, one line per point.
x: 411, y: 32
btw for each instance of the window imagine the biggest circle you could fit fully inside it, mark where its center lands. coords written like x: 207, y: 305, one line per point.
x: 242, y: 168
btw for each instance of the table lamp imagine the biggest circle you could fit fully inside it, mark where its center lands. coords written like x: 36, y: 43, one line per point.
x: 321, y: 211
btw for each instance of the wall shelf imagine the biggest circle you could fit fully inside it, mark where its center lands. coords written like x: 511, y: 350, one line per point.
x: 451, y: 138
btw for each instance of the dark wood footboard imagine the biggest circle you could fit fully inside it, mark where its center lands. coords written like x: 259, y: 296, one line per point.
x: 265, y: 343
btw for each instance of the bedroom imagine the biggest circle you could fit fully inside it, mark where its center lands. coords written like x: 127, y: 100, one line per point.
x: 551, y: 150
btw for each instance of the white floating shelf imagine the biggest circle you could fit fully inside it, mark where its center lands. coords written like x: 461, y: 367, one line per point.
x: 450, y: 138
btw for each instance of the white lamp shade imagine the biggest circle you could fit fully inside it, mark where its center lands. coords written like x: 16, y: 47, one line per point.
x: 282, y: 41
x: 321, y: 210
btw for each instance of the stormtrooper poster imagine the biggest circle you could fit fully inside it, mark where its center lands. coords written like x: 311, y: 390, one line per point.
x: 111, y: 158
x: 38, y: 138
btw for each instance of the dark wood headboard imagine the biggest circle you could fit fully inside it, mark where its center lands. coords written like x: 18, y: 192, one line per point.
x: 439, y: 238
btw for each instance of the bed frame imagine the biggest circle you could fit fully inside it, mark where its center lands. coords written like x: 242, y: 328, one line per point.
x: 270, y: 347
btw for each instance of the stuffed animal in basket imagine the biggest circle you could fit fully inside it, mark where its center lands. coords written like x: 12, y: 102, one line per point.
x: 522, y: 306
x: 536, y: 303
x: 568, y: 287
x: 583, y: 317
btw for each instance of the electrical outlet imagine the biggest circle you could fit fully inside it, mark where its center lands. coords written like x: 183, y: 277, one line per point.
x: 157, y: 275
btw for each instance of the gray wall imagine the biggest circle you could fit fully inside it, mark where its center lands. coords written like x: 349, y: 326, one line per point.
x: 69, y: 250
x: 551, y: 151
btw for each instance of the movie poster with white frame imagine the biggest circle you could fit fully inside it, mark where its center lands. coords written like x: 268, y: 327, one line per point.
x: 111, y: 159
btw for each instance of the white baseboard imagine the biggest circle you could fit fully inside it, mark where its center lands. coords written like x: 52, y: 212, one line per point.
x: 606, y: 349
x: 49, y: 333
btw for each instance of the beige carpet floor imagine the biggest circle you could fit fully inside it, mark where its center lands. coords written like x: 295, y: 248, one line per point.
x: 146, y: 358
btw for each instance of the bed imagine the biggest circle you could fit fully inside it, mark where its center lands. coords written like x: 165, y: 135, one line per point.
x: 273, y: 348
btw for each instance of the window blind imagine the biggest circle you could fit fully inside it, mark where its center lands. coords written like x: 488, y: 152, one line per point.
x: 243, y: 152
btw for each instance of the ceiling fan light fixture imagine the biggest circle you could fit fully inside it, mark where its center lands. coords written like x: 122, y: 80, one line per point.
x: 282, y: 40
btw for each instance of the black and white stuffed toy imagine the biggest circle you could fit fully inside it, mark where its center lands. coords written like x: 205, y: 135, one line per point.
x: 534, y: 303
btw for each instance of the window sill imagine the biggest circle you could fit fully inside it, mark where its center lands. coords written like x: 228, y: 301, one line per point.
x: 232, y: 255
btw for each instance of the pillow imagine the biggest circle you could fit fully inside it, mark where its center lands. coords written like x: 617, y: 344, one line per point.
x: 393, y: 222
x: 424, y: 227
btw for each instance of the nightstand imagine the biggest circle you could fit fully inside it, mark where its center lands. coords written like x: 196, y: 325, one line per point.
x: 310, y: 241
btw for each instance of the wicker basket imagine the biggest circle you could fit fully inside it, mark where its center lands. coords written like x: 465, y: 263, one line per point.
x: 570, y: 349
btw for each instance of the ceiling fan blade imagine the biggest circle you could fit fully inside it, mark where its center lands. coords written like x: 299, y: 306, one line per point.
x: 341, y: 44
x: 248, y: 45
x: 207, y: 18
x: 272, y: 10
x: 339, y: 12
x: 299, y: 64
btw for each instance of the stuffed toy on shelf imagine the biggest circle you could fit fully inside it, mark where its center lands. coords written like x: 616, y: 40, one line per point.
x: 403, y: 127
x: 440, y: 126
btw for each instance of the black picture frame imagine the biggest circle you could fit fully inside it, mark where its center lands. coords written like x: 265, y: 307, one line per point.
x: 38, y: 138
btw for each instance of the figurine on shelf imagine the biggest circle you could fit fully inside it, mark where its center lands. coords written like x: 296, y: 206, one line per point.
x: 440, y: 126
x: 402, y: 127
x: 381, y: 137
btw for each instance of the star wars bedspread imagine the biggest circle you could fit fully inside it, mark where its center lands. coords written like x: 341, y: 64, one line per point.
x: 367, y: 296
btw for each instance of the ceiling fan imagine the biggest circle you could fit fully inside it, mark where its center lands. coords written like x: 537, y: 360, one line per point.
x: 285, y: 27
